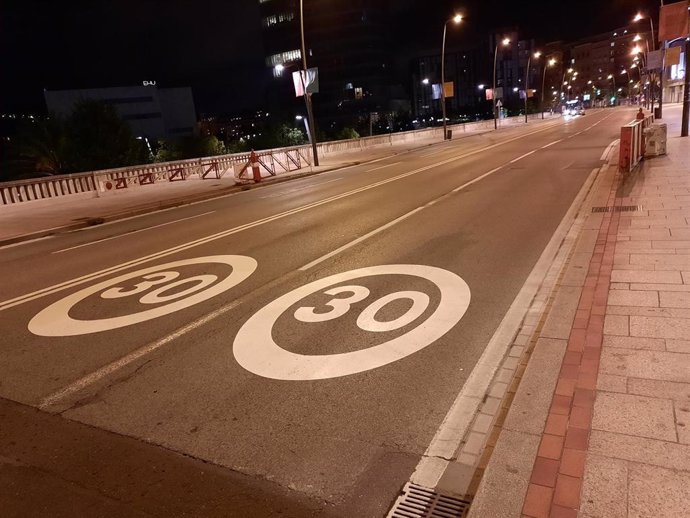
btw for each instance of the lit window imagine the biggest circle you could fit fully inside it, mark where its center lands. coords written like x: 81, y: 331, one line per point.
x: 283, y: 57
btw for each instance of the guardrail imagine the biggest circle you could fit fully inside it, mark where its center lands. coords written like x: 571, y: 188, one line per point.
x: 632, y: 144
x: 274, y: 161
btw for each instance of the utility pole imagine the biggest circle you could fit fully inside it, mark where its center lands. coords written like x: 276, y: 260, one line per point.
x: 307, y: 95
x: 529, y: 61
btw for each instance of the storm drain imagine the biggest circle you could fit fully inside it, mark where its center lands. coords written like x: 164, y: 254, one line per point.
x: 420, y: 502
x: 618, y: 208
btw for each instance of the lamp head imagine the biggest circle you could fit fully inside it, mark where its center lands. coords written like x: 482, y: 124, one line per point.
x: 457, y: 18
x: 506, y: 42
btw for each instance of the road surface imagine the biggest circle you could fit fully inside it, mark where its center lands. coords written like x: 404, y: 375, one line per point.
x: 300, y: 343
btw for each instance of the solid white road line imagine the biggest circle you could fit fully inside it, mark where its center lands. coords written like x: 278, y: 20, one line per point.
x: 454, y: 426
x: 298, y: 189
x: 522, y: 156
x: 164, y: 253
x: 552, y: 143
x: 382, y: 167
x: 130, y: 233
x: 101, y: 373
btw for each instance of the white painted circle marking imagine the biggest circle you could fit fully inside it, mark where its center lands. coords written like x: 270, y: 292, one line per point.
x: 367, y: 318
x: 55, y: 320
x: 256, y: 351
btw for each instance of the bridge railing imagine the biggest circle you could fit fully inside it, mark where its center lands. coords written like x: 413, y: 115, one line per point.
x: 273, y: 161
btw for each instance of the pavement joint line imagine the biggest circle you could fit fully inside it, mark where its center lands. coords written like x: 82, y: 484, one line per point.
x: 465, y: 408
x: 108, y: 369
x: 185, y: 246
x: 132, y: 232
x: 382, y: 167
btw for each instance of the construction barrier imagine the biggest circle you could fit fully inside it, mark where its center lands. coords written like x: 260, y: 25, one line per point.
x: 632, y: 146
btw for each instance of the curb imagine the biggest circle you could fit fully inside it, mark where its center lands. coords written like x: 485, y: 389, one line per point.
x: 167, y: 204
x: 509, y: 460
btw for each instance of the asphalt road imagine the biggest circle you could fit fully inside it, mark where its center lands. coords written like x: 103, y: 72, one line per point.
x: 316, y: 399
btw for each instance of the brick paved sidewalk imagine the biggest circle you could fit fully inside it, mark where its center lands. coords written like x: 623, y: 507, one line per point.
x: 612, y: 439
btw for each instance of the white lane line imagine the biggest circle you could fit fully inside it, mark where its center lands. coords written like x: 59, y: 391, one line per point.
x: 458, y: 419
x: 395, y: 221
x: 298, y: 189
x: 359, y: 240
x: 522, y: 156
x: 132, y: 232
x: 552, y: 143
x: 202, y: 241
x: 382, y: 167
x: 106, y: 370
x: 605, y: 154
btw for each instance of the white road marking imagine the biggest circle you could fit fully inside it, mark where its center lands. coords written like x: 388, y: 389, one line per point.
x: 609, y: 148
x: 454, y: 426
x: 522, y: 156
x: 382, y: 167
x: 132, y: 232
x: 56, y: 321
x: 106, y: 370
x: 164, y: 253
x: 552, y: 143
x: 256, y: 351
x: 298, y: 189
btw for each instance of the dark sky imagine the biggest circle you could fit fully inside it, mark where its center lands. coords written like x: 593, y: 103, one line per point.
x: 215, y: 45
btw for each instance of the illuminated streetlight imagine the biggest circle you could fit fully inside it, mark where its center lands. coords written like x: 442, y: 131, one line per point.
x: 549, y: 63
x: 279, y: 68
x: 456, y: 20
x: 425, y: 81
x: 505, y: 42
x: 481, y: 87
x: 637, y: 37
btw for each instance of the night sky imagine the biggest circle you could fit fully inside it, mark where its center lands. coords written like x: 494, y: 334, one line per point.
x: 215, y: 45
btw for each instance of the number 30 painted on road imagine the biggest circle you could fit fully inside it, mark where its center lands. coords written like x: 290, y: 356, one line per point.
x: 255, y: 349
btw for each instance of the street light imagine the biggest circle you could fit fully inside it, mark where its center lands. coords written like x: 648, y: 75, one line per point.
x: 549, y: 63
x: 537, y: 55
x: 639, y: 16
x: 456, y: 20
x: 612, y: 77
x: 505, y: 42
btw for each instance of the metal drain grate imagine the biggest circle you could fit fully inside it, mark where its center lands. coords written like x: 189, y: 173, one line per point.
x: 618, y: 208
x: 420, y: 502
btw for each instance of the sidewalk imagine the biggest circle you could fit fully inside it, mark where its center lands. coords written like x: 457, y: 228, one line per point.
x: 39, y: 218
x: 599, y: 425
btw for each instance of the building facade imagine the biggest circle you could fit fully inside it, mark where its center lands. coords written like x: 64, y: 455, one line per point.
x: 150, y: 111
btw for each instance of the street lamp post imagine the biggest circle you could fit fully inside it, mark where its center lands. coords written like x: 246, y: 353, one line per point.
x: 456, y: 19
x: 529, y: 60
x: 637, y: 18
x: 505, y: 42
x: 550, y: 63
x: 613, y: 78
x: 307, y: 95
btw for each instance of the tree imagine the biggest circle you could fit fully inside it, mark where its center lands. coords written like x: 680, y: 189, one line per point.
x: 346, y: 134
x: 97, y: 138
x: 189, y: 147
x: 44, y: 142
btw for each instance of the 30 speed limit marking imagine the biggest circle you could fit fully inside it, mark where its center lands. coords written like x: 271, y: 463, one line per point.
x: 255, y: 349
x: 157, y: 286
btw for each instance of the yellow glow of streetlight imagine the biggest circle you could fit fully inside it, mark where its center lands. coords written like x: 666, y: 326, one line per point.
x: 552, y: 62
x: 457, y: 18
x: 637, y: 37
x: 638, y: 17
x: 506, y: 42
x: 537, y: 54
x: 610, y: 76
x: 636, y: 50
x: 570, y: 70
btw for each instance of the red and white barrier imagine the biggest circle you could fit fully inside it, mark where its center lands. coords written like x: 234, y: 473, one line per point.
x: 632, y: 144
